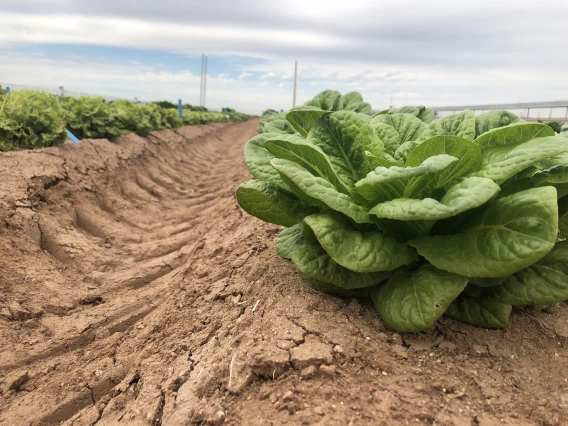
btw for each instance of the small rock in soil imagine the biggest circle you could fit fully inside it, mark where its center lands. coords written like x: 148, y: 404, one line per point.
x: 447, y: 347
x: 18, y: 312
x: 338, y: 349
x: 308, y: 372
x: 288, y: 396
x: 328, y: 369
x: 399, y: 351
x: 478, y: 350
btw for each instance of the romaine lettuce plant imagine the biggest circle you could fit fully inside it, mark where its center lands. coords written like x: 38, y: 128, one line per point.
x: 464, y: 215
x: 30, y: 120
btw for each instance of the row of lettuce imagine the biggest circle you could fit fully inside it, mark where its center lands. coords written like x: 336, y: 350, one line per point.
x: 464, y: 216
x: 33, y: 119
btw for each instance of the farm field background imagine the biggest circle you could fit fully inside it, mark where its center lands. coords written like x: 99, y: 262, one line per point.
x: 300, y: 213
x: 135, y: 289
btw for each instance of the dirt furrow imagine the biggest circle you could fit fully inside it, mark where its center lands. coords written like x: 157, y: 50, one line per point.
x: 134, y: 290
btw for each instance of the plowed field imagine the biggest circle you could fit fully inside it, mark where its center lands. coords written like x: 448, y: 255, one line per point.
x: 135, y: 291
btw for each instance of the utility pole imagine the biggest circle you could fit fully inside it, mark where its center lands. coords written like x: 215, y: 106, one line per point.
x: 295, y: 83
x: 203, y: 86
x: 205, y: 83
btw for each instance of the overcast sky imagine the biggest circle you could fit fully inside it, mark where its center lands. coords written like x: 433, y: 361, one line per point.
x: 432, y: 53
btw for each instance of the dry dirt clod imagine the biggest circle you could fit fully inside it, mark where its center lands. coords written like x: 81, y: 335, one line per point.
x: 308, y: 372
x: 313, y: 353
x: 447, y: 347
x: 328, y: 369
x: 15, y: 381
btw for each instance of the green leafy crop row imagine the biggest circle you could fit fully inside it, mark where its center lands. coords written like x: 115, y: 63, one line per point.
x: 463, y: 216
x: 31, y: 119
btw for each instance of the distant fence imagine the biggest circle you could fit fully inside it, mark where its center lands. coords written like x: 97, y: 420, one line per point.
x: 61, y: 91
x: 530, y: 111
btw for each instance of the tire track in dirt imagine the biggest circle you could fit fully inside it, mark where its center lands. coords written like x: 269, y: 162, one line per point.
x: 134, y: 290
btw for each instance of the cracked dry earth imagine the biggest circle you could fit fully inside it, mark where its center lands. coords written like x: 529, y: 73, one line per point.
x: 134, y: 291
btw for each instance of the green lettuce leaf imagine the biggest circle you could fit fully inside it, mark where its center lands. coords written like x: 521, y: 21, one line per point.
x: 480, y: 312
x: 355, y: 250
x: 290, y: 240
x: 468, y: 194
x: 313, y: 262
x: 408, y: 127
x: 461, y: 124
x: 543, y: 283
x: 304, y: 118
x: 508, y: 235
x: 344, y: 137
x: 493, y: 120
x: 384, y: 184
x: 319, y: 189
x: 311, y: 157
x: 280, y: 127
x: 467, y: 152
x: 523, y: 156
x: 257, y: 159
x: 271, y: 203
x: 411, y: 301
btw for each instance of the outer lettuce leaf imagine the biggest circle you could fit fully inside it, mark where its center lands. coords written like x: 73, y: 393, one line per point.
x: 355, y: 250
x: 311, y: 157
x: 290, y: 240
x: 304, y: 118
x: 312, y: 261
x: 497, y: 143
x: 508, y: 235
x: 556, y: 176
x: 543, y: 283
x: 480, y: 312
x: 413, y: 301
x: 281, y: 127
x: 524, y: 156
x: 257, y: 159
x: 320, y: 286
x: 513, y: 134
x: 271, y: 203
x: 321, y: 190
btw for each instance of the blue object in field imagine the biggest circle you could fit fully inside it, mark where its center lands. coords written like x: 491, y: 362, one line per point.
x: 180, y: 109
x: 8, y: 89
x: 72, y: 136
x: 225, y: 111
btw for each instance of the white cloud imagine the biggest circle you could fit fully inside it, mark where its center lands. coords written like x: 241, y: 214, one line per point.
x: 415, y: 52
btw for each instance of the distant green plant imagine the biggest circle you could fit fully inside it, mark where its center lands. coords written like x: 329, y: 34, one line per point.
x: 30, y: 120
x: 91, y: 117
x: 165, y: 104
x: 554, y: 125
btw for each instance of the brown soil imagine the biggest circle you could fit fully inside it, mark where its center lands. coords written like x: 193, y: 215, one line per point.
x: 134, y: 290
